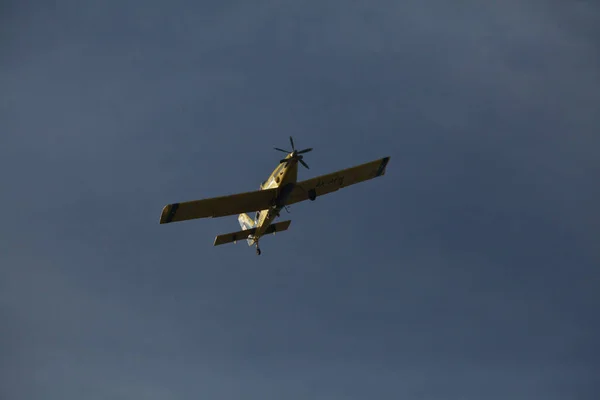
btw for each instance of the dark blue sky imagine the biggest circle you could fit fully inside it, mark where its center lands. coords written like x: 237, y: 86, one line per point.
x: 470, y: 271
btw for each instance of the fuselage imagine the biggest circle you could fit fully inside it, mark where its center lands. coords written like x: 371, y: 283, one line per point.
x: 284, y: 176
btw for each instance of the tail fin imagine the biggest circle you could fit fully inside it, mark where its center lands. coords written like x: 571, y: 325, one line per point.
x: 246, y: 222
x: 247, y: 233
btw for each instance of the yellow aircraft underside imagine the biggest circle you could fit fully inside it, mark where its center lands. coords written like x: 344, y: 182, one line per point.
x: 271, y: 198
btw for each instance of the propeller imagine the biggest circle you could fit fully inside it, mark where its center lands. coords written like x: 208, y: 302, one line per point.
x: 295, y: 154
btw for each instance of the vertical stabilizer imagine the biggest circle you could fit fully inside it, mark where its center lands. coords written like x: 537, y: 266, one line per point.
x: 246, y: 223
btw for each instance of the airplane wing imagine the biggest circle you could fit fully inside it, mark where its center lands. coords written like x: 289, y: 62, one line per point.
x: 219, y: 206
x: 332, y: 182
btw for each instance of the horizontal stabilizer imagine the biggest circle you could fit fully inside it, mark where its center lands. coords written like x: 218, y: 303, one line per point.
x: 241, y: 235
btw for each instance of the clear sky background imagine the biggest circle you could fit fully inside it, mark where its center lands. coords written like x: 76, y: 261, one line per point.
x: 470, y: 271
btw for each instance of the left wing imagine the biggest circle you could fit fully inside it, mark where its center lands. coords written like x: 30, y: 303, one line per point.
x: 330, y: 183
x: 219, y: 206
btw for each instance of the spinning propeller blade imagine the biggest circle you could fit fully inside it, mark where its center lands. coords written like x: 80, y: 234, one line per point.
x: 294, y: 154
x: 303, y: 163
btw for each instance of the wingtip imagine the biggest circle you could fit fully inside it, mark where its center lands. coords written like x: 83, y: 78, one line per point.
x: 163, y: 215
x: 383, y: 166
x: 168, y: 212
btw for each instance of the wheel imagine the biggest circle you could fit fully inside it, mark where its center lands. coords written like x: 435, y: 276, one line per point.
x: 312, y: 194
x: 258, y: 252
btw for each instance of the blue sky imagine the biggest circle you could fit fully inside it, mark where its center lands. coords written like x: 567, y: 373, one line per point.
x: 470, y: 271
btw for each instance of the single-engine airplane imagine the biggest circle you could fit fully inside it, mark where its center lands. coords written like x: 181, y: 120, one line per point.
x: 278, y: 191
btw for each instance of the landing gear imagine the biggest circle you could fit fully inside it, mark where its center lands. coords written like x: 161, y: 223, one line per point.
x: 255, y: 243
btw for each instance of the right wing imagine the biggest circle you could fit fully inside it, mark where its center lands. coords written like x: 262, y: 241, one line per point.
x: 219, y: 206
x: 330, y: 183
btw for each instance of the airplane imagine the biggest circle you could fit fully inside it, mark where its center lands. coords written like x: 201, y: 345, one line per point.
x: 280, y: 190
